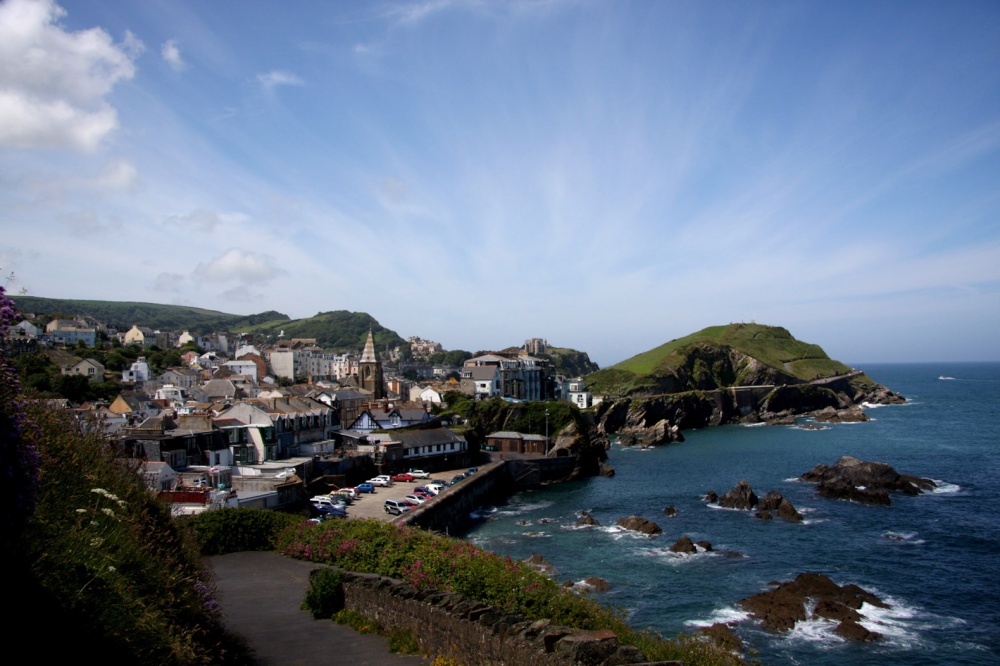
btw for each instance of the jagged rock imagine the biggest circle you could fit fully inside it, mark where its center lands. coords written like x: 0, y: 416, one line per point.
x: 852, y: 414
x: 705, y: 545
x: 628, y: 439
x: 604, y: 469
x: 685, y: 545
x: 782, y: 420
x: 741, y: 497
x: 538, y: 563
x: 780, y: 608
x: 711, y: 496
x: 867, y: 482
x: 670, y: 512
x: 637, y: 524
x: 764, y: 515
x: 596, y: 584
x: 774, y: 501
x: 724, y: 637
x: 587, y: 519
x: 854, y: 631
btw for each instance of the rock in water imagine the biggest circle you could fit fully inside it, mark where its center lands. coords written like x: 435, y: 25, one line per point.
x: 779, y: 609
x: 587, y: 519
x: 740, y: 497
x: 683, y: 545
x: 638, y: 524
x: 670, y: 512
x: 867, y: 482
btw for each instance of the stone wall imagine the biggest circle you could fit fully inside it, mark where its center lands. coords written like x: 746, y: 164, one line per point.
x: 475, y: 634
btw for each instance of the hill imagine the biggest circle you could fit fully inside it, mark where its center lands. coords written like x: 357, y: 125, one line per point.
x: 125, y: 314
x: 718, y: 357
x: 337, y: 331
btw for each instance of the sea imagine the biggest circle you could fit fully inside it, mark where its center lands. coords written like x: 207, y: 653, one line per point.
x: 934, y: 558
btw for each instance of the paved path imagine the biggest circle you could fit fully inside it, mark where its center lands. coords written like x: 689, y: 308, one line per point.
x: 260, y: 594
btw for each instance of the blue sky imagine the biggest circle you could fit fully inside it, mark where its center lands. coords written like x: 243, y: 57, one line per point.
x: 606, y: 175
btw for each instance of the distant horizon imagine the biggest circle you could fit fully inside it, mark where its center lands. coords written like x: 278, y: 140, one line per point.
x: 852, y: 364
x: 607, y: 174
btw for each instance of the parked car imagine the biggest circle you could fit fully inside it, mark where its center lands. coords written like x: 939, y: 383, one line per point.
x: 403, y: 477
x: 325, y: 501
x: 329, y: 513
x: 365, y: 487
x: 352, y: 492
x: 458, y: 477
x: 397, y: 507
x: 381, y: 481
x: 436, y: 488
x: 415, y: 498
x: 472, y: 470
x: 419, y: 474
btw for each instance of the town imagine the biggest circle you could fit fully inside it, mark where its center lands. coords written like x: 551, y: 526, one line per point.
x: 222, y: 420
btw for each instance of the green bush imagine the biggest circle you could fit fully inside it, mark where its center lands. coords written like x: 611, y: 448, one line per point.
x: 402, y: 641
x: 238, y: 530
x: 325, y: 595
x: 428, y: 561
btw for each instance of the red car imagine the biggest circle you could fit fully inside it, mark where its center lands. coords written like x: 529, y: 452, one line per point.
x: 403, y: 477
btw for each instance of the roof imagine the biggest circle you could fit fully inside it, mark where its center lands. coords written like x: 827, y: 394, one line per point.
x: 429, y: 437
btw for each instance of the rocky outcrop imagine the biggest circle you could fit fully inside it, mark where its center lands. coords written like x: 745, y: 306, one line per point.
x: 587, y: 519
x: 866, y: 482
x: 774, y: 501
x: 780, y: 608
x: 686, y: 546
x: 852, y: 414
x: 638, y: 524
x: 740, y: 497
x: 541, y: 565
x: 670, y: 512
x: 724, y: 637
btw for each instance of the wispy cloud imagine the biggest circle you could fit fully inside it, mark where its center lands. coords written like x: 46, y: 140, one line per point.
x: 270, y: 80
x: 242, y: 266
x: 171, y: 53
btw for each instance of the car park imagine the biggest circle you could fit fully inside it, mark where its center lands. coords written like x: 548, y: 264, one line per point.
x: 326, y: 501
x: 396, y: 507
x: 329, y: 513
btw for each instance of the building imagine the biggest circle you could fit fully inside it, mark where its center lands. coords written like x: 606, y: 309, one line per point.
x: 370, y: 370
x: 88, y: 367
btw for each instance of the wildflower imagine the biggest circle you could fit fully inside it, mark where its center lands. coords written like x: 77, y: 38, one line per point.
x: 111, y: 568
x: 96, y: 541
x: 104, y: 493
x: 81, y: 511
x: 108, y: 512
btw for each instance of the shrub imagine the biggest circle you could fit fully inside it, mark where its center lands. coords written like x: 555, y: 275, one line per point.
x: 238, y: 530
x: 402, y: 641
x: 325, y: 595
x: 357, y: 622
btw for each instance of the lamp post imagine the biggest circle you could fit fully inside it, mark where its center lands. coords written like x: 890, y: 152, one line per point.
x: 546, y: 433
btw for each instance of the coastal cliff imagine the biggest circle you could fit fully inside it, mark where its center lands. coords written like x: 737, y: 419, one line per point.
x: 741, y: 373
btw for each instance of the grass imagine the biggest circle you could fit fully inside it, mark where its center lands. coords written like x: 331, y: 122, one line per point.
x: 428, y: 561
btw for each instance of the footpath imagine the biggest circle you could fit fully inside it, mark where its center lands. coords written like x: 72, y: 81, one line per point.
x: 260, y: 594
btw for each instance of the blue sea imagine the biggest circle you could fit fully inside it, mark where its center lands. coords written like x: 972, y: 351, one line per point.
x: 934, y: 558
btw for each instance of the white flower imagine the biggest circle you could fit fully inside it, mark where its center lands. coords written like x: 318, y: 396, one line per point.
x: 108, y: 512
x: 96, y: 541
x: 81, y: 511
x: 104, y: 493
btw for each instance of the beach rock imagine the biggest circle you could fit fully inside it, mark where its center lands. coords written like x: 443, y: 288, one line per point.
x: 787, y: 511
x: 774, y: 501
x: 683, y: 545
x: 780, y: 608
x: 638, y: 524
x: 705, y: 545
x: 628, y: 439
x: 853, y: 631
x: 596, y: 584
x: 670, y: 512
x: 852, y: 414
x: 740, y: 497
x: 867, y: 482
x: 538, y: 563
x: 587, y: 519
x: 724, y: 637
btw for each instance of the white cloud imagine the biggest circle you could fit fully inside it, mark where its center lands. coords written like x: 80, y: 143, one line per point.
x: 203, y: 220
x: 172, y: 55
x: 170, y: 282
x: 240, y: 266
x: 119, y: 174
x: 53, y: 83
x: 269, y: 80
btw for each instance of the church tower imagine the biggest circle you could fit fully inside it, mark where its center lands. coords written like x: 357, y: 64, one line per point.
x: 370, y: 369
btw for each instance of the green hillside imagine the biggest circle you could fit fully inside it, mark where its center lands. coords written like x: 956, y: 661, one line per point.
x: 125, y: 314
x: 338, y: 331
x: 705, y: 360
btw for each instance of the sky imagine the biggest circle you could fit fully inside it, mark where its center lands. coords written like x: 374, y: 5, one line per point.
x: 608, y: 175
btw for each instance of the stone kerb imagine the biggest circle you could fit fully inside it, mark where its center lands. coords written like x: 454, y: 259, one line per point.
x: 477, y: 634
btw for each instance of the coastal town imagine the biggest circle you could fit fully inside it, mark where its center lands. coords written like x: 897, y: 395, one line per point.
x: 223, y: 420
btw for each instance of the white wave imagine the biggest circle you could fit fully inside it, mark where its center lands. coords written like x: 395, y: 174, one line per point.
x: 950, y: 379
x: 815, y: 630
x: 754, y: 425
x: 792, y: 479
x: 725, y: 615
x: 903, y: 538
x: 536, y: 535
x: 873, y: 405
x: 945, y: 488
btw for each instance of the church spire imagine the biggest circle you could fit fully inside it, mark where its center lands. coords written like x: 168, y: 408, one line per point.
x: 368, y: 355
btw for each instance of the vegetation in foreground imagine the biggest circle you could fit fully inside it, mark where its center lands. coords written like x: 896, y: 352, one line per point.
x: 429, y: 561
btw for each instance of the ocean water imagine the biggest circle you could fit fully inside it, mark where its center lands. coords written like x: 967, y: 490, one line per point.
x: 934, y: 558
